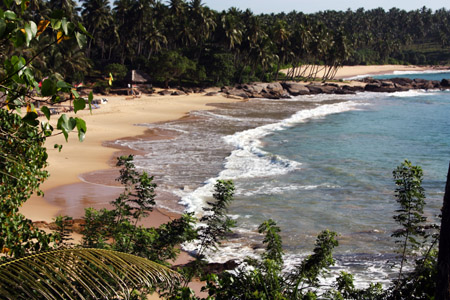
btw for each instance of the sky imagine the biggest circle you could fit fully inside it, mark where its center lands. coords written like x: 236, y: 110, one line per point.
x: 312, y: 6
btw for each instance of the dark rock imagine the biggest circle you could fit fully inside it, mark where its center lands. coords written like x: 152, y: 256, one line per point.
x: 165, y: 92
x: 179, y: 93
x: 343, y: 91
x: 238, y: 92
x: 295, y: 88
x: 402, y: 81
x: 387, y: 83
x: 353, y: 88
x: 445, y: 83
x: 211, y: 94
x: 314, y: 89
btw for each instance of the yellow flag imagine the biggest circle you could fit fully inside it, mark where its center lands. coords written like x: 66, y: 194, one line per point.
x: 110, y: 79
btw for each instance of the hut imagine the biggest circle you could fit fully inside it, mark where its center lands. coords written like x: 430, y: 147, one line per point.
x: 138, y: 80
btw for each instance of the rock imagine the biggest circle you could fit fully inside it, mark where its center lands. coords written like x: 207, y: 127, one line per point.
x: 387, y: 84
x: 178, y: 93
x: 253, y: 88
x: 165, y: 92
x: 314, y: 89
x: 402, y: 81
x: 217, y: 268
x: 238, y: 92
x: 445, y: 83
x: 353, y: 88
x: 211, y: 94
x: 295, y: 88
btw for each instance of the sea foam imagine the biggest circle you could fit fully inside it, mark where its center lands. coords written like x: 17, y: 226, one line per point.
x: 249, y: 160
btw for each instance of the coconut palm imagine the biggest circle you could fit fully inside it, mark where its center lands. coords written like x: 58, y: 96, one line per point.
x: 82, y: 274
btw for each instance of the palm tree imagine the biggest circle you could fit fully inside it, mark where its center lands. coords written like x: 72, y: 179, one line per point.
x: 97, y: 14
x: 82, y: 274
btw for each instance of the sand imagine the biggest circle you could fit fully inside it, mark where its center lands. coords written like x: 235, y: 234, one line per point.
x: 118, y: 119
x: 114, y: 120
x: 352, y: 71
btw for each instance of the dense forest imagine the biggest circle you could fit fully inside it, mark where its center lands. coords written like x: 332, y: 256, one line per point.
x: 186, y: 42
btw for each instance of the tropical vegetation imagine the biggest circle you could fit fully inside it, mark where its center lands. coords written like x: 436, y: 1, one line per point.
x: 44, y: 48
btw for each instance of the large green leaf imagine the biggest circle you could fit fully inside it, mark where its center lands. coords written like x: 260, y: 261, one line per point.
x: 79, y: 104
x: 81, y: 127
x: 81, y: 273
x: 48, y: 88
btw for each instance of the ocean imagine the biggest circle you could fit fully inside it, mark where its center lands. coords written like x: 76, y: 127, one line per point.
x: 310, y: 163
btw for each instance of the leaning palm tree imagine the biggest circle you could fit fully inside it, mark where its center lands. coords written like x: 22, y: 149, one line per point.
x: 82, y: 274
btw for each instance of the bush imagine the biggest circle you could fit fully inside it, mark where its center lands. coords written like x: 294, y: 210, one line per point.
x: 118, y: 71
x: 102, y: 87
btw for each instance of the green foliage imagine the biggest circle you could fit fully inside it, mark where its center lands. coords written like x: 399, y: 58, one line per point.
x: 118, y: 71
x: 119, y: 229
x: 81, y: 274
x: 264, y: 278
x: 22, y: 162
x: 410, y: 196
x: 102, y: 87
x: 64, y: 231
x: 217, y: 224
x: 170, y: 65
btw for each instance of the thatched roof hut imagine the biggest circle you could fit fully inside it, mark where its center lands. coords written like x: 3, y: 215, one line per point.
x: 136, y: 76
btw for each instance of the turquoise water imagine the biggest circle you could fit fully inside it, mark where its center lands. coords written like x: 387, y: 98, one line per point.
x: 310, y: 163
x: 349, y: 157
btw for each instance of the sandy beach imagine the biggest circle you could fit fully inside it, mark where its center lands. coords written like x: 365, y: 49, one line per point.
x: 352, y: 71
x: 118, y: 119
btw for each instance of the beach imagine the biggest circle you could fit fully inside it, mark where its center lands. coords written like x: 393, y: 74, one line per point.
x: 118, y: 119
x: 353, y: 71
x: 85, y: 170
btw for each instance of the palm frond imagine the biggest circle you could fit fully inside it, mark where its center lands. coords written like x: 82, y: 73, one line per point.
x: 81, y: 274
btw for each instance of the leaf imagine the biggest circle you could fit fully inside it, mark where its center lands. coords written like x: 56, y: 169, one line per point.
x: 56, y: 23
x: 43, y: 24
x: 83, y: 30
x: 10, y: 15
x: 63, y: 125
x: 59, y: 37
x: 72, y: 123
x: 28, y: 34
x: 63, y: 85
x: 19, y: 39
x: 75, y: 93
x: 81, y: 39
x: 30, y: 118
x: 48, y: 88
x: 46, y: 112
x: 64, y: 26
x: 81, y: 274
x: 81, y: 127
x: 33, y: 28
x: 79, y: 104
x: 90, y: 98
x: 2, y: 27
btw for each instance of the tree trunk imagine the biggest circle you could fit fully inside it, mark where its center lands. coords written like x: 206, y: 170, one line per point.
x: 443, y: 272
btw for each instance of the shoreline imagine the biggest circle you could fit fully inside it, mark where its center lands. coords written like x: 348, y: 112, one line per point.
x: 83, y: 163
x: 118, y: 119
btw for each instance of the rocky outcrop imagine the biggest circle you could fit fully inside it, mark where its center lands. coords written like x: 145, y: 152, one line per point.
x: 295, y: 88
x: 281, y: 90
